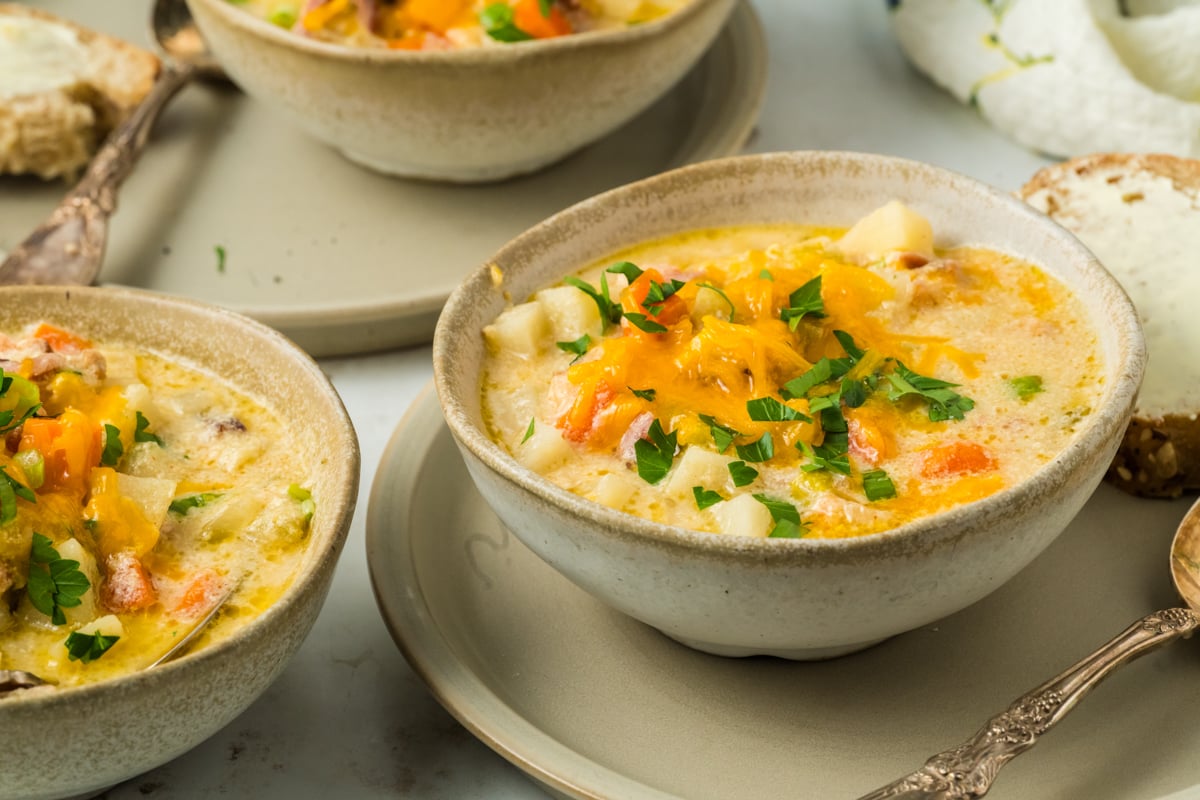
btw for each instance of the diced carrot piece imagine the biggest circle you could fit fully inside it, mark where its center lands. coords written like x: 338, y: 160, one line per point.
x: 956, y: 458
x: 60, y: 341
x: 70, y: 445
x: 867, y: 442
x: 592, y: 398
x: 127, y: 584
x: 527, y: 15
x: 668, y: 313
x: 200, y: 596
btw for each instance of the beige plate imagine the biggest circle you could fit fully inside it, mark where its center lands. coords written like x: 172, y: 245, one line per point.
x: 596, y: 705
x: 338, y: 258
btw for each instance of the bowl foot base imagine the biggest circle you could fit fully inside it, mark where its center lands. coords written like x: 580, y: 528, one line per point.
x: 793, y: 654
x: 451, y: 175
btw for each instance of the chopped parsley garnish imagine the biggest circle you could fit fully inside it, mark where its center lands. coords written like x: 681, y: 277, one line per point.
x: 55, y: 582
x: 825, y: 456
x: 497, y: 20
x: 645, y: 323
x: 630, y: 270
x: 766, y: 275
x: 658, y: 293
x: 847, y: 342
x: 87, y: 647
x: 785, y: 516
x: 760, y: 450
x: 768, y: 409
x: 705, y: 497
x: 803, y: 301
x: 877, y: 485
x: 304, y: 497
x: 1027, y: 386
x: 725, y: 297
x: 220, y: 251
x: 529, y: 430
x: 944, y: 404
x: 577, y: 347
x: 786, y: 529
x: 824, y: 370
x: 852, y: 392
x: 27, y: 401
x: 655, y: 455
x: 10, y: 490
x: 645, y: 394
x: 722, y: 436
x: 141, y: 434
x: 742, y: 473
x: 182, y: 505
x: 113, y: 449
x: 610, y: 312
x: 545, y: 6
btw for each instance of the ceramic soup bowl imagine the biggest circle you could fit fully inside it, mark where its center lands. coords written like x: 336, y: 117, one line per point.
x: 796, y: 598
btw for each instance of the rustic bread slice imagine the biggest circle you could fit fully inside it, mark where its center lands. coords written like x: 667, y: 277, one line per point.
x: 62, y: 89
x: 1140, y: 215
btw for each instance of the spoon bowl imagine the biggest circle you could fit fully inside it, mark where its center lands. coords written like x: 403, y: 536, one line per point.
x: 967, y: 771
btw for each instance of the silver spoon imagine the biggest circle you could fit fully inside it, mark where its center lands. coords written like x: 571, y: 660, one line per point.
x: 68, y: 247
x: 967, y: 771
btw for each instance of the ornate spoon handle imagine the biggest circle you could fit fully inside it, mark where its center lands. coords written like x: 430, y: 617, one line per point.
x: 967, y: 771
x: 69, y: 246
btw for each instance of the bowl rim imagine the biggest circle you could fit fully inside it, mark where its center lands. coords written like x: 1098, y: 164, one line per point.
x: 510, y: 51
x: 1103, y: 426
x: 312, y: 569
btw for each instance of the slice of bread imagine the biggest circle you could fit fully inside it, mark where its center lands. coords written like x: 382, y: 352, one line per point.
x: 62, y: 89
x: 1140, y: 215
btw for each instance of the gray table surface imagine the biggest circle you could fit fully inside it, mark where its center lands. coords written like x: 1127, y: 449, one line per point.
x: 348, y: 718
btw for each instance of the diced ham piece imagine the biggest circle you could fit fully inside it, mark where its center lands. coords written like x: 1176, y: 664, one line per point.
x: 127, y: 585
x: 201, y: 595
x: 636, y: 430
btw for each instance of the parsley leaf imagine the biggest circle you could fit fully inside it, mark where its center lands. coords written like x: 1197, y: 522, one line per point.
x: 786, y: 517
x: 825, y: 456
x: 630, y: 270
x: 765, y: 274
x: 725, y: 297
x: 55, y: 583
x: 768, y: 409
x: 705, y: 497
x: 528, y: 431
x: 645, y: 394
x: 742, y: 474
x: 87, y: 647
x: 658, y: 293
x: 497, y: 20
x: 1027, y: 386
x: 847, y: 342
x: 722, y: 436
x: 944, y: 404
x: 852, y: 392
x: 877, y: 485
x: 761, y: 450
x: 610, y: 312
x: 220, y: 251
x: 786, y: 529
x: 113, y: 449
x: 182, y: 505
x: 10, y: 490
x: 824, y: 370
x: 805, y: 300
x: 655, y: 455
x: 545, y: 6
x: 140, y: 434
x: 645, y: 323
x: 578, y: 347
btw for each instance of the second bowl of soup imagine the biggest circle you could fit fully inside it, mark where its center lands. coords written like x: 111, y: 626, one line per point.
x: 789, y: 404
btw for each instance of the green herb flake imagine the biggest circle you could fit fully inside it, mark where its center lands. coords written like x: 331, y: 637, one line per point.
x: 10, y: 490
x: 578, y: 347
x: 646, y: 394
x: 630, y: 270
x: 141, y: 434
x: 529, y: 430
x: 722, y: 435
x: 1027, y: 386
x: 786, y: 529
x: 656, y: 454
x: 877, y: 485
x: 283, y: 16
x: 825, y: 456
x: 742, y: 473
x: 87, y: 647
x: 657, y: 294
x: 768, y: 409
x: 55, y: 583
x: 847, y: 342
x: 705, y: 497
x: 645, y: 323
x: 113, y: 449
x: 757, y: 451
x: 805, y: 300
x: 182, y: 505
x: 304, y: 497
x: 610, y: 312
x: 545, y: 6
x: 220, y: 251
x: 852, y: 393
x: 497, y: 21
x: 766, y: 275
x: 944, y: 404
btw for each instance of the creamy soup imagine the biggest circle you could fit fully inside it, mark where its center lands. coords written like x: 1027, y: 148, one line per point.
x: 136, y: 494
x: 792, y: 381
x: 451, y: 24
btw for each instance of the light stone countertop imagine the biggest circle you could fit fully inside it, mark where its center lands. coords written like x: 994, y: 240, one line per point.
x: 348, y: 718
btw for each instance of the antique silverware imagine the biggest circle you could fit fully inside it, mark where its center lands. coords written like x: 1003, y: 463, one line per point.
x: 69, y: 246
x: 967, y: 771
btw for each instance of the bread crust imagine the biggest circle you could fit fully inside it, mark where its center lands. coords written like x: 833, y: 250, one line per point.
x: 1159, y: 455
x: 55, y: 133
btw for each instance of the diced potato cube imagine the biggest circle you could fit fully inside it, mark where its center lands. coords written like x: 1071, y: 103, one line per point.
x: 742, y: 516
x: 153, y: 495
x: 893, y: 228
x: 571, y: 312
x: 521, y: 329
x: 544, y: 449
x: 614, y: 490
x: 699, y: 466
x: 709, y: 303
x: 86, y: 610
x: 108, y: 625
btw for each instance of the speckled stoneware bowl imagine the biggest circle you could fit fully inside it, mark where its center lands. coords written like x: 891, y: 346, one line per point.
x: 795, y: 598
x: 78, y: 741
x: 465, y: 115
